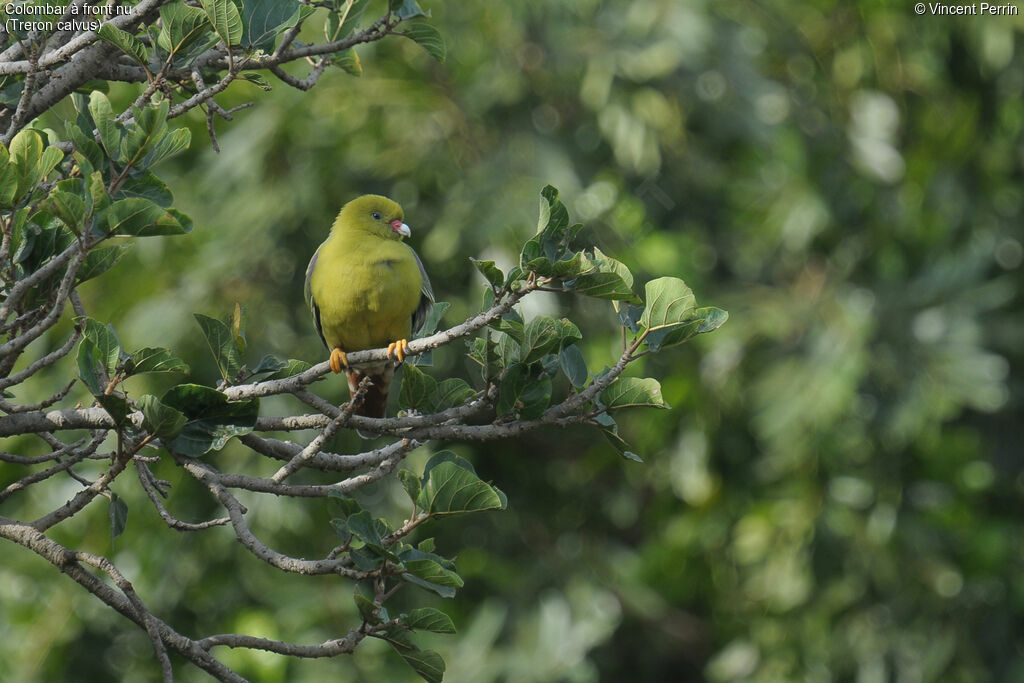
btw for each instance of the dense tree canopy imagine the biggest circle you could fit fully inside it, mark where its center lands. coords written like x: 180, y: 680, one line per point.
x: 834, y: 493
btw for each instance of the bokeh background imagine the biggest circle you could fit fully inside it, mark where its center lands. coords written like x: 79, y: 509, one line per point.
x: 837, y: 493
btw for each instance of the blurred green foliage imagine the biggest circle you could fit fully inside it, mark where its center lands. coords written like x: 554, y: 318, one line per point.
x: 835, y: 494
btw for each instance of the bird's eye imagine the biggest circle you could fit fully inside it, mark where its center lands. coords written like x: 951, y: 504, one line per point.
x: 376, y: 215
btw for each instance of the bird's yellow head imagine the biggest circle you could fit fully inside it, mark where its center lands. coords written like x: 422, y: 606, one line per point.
x: 374, y: 214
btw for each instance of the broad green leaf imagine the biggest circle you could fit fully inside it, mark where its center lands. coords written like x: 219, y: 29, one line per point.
x: 619, y: 444
x: 491, y: 272
x: 147, y: 185
x: 540, y: 337
x: 429, y: 619
x: 626, y: 392
x: 8, y: 179
x: 89, y: 360
x: 669, y: 302
x: 711, y: 318
x: 222, y: 344
x: 292, y: 367
x: 98, y: 262
x: 118, y: 513
x: 599, y: 285
x: 116, y: 406
x: 573, y: 365
x: 103, y: 116
x: 161, y: 420
x: 348, y: 61
x: 433, y: 318
x: 450, y: 489
x: 426, y: 663
x: 226, y: 20
x: 418, y: 390
x: 411, y: 483
x: 262, y: 20
x: 432, y: 572
x: 212, y: 419
x: 156, y: 360
x: 368, y: 611
x: 407, y: 9
x: 450, y: 393
x: 521, y: 392
x: 69, y: 208
x: 181, y: 26
x: 175, y: 142
x: 124, y: 41
x: 256, y: 79
x: 428, y: 37
x: 107, y: 344
x: 342, y: 504
x: 140, y: 217
x: 370, y: 531
x: 93, y: 155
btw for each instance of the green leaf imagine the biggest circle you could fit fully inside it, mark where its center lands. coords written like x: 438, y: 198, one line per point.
x: 429, y: 619
x: 181, y: 26
x: 428, y: 37
x: 103, y: 116
x: 263, y: 19
x: 432, y: 572
x: 116, y: 406
x: 669, y: 303
x: 418, y: 390
x: 256, y: 79
x: 156, y: 360
x: 161, y: 420
x: 426, y: 663
x: 711, y: 318
x: 342, y: 23
x: 619, y: 444
x: 411, y: 484
x: 107, y: 344
x: 86, y: 145
x: 348, y: 61
x: 124, y: 41
x: 222, y: 343
x: 362, y: 525
x: 118, y: 513
x: 172, y: 144
x: 522, y: 392
x: 89, y: 360
x: 8, y: 179
x: 368, y: 611
x: 212, y: 419
x: 68, y: 208
x: 491, y: 272
x: 628, y: 392
x: 449, y: 489
x: 433, y: 318
x: 343, y: 504
x: 227, y: 22
x: 292, y: 367
x: 407, y: 9
x: 573, y: 365
x: 540, y: 337
x: 98, y: 262
x: 451, y: 392
x: 140, y: 217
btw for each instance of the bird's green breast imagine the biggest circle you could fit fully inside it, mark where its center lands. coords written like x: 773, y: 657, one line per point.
x: 366, y: 289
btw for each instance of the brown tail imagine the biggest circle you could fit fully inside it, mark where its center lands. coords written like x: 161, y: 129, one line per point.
x: 375, y: 400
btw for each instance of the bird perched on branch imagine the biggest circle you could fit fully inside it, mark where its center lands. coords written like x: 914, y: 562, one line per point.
x: 367, y: 289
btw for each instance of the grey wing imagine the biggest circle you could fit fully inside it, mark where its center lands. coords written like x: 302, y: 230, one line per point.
x: 419, y: 316
x: 308, y: 292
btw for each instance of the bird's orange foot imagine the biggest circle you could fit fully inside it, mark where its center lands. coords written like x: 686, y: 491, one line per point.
x: 398, y: 350
x: 338, y: 360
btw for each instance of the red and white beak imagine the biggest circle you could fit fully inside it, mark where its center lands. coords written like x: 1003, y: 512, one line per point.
x: 400, y: 228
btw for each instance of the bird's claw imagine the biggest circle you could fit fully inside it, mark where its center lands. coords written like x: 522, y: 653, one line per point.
x: 398, y: 350
x: 338, y: 360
